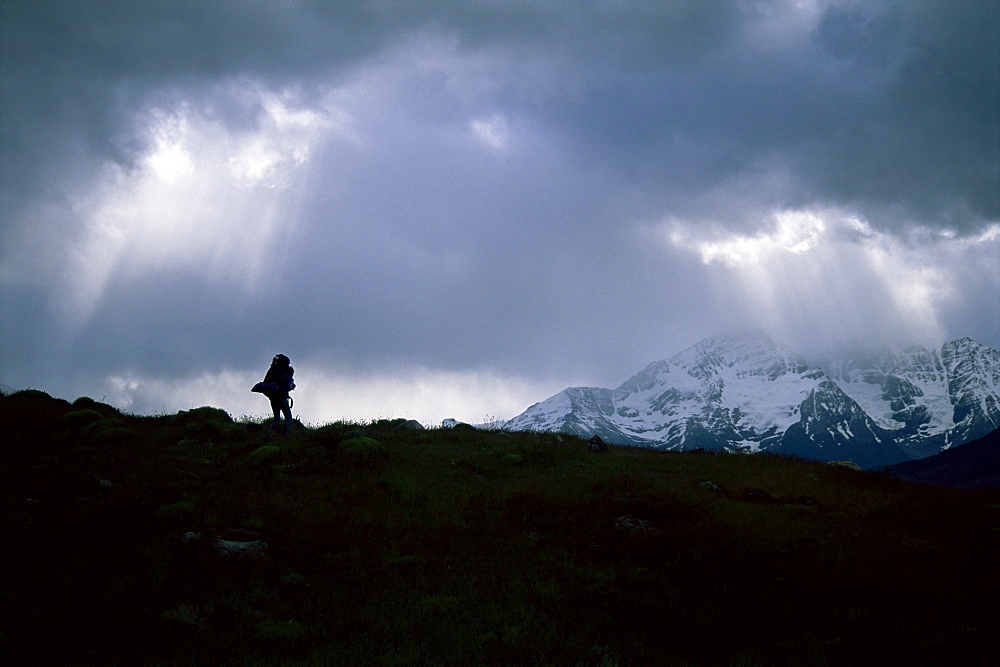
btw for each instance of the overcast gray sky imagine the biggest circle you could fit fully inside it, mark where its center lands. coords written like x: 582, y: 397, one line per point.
x: 455, y: 209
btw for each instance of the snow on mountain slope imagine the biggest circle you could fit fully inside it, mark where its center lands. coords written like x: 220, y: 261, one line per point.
x: 723, y: 393
x: 974, y: 387
x: 748, y: 393
x: 897, y: 389
x: 946, y: 396
x: 743, y: 389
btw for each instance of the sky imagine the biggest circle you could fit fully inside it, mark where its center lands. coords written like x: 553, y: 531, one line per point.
x: 457, y: 209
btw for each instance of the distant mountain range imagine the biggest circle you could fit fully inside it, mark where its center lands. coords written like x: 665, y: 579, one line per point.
x: 749, y: 394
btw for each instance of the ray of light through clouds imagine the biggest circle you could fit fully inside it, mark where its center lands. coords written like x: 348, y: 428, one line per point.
x: 817, y: 278
x: 202, y: 198
x: 456, y: 209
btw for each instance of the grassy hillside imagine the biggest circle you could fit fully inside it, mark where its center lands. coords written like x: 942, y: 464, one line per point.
x: 393, y: 546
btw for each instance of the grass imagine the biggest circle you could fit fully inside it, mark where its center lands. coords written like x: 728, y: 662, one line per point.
x: 464, y: 546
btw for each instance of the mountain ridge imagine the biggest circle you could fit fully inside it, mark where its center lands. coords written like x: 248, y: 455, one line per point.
x: 747, y: 393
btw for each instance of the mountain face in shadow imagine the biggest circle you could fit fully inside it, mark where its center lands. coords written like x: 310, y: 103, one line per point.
x: 975, y: 465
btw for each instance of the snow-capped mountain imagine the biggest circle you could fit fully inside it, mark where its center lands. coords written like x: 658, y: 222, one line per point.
x: 750, y: 394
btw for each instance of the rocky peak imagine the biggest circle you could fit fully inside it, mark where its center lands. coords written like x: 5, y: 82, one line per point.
x: 748, y: 393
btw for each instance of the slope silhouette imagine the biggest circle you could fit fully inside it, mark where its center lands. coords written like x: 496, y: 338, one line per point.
x: 974, y: 465
x: 190, y: 539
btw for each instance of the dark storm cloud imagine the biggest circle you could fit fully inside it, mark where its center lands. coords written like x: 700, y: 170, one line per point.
x: 927, y: 139
x: 75, y: 71
x: 890, y: 108
x: 541, y: 189
x: 869, y: 102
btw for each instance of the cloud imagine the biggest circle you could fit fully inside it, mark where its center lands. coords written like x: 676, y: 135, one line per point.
x: 204, y: 197
x: 794, y: 232
x: 492, y: 131
x: 506, y: 196
x: 819, y: 278
x: 327, y: 395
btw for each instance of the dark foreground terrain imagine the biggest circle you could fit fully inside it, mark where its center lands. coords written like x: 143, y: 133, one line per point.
x: 388, y: 545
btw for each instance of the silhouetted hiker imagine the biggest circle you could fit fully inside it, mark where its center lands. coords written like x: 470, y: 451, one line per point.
x: 276, y: 385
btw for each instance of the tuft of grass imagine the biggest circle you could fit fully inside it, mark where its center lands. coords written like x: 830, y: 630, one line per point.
x: 114, y: 437
x: 76, y: 419
x: 181, y: 508
x: 362, y: 447
x: 264, y: 454
x: 282, y: 631
x: 187, y: 614
x: 254, y: 523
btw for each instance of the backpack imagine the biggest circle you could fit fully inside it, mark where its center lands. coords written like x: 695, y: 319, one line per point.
x: 276, y: 386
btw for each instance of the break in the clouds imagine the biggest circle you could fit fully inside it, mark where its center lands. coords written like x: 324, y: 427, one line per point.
x: 455, y: 209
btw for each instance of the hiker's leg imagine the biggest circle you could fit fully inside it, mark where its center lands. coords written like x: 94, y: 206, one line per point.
x: 276, y: 407
x: 287, y: 411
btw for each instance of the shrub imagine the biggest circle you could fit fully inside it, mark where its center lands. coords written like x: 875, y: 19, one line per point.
x: 535, y: 451
x: 182, y: 508
x: 253, y: 523
x: 203, y: 414
x: 213, y: 429
x: 76, y: 419
x: 264, y: 454
x: 511, y: 458
x: 361, y: 446
x: 32, y: 408
x: 208, y: 423
x: 334, y: 429
x: 103, y: 425
x: 114, y: 437
x: 87, y: 403
x: 282, y: 631
x: 315, y: 454
x: 189, y: 614
x: 293, y: 579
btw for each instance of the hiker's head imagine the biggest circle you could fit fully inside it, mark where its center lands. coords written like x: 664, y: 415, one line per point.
x: 280, y: 360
